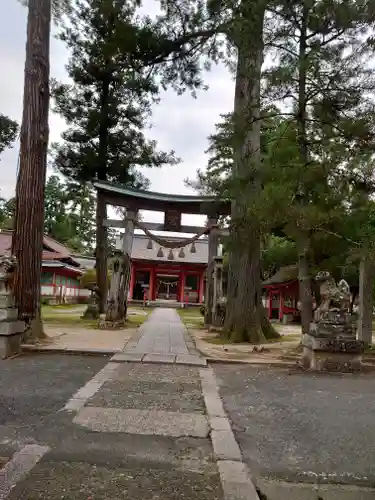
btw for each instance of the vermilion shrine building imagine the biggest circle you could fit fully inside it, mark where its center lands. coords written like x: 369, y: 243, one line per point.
x: 158, y: 274
x: 281, y: 295
x: 61, y: 269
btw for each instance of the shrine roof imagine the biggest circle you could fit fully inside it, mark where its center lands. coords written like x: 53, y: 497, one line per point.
x: 52, y: 249
x: 285, y: 274
x: 141, y: 252
x: 151, y: 200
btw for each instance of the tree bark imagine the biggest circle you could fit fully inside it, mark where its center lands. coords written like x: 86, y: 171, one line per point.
x: 245, y: 317
x: 303, y: 263
x: 101, y: 207
x: 101, y: 252
x: 366, y: 290
x: 117, y: 297
x: 305, y: 295
x: 29, y: 218
x: 213, y: 242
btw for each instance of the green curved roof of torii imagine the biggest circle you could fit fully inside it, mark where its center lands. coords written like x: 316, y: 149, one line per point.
x: 152, y: 196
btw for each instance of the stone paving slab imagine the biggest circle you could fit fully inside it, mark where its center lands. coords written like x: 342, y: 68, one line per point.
x: 18, y: 467
x: 83, y: 481
x: 82, y: 350
x: 190, y: 359
x: 236, y: 482
x: 225, y: 445
x: 159, y: 358
x: 128, y: 357
x: 162, y: 331
x: 132, y: 421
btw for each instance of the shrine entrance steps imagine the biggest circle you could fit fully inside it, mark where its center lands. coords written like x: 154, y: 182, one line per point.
x: 163, y: 338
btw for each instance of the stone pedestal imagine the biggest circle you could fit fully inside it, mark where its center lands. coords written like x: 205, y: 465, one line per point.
x: 331, y: 344
x: 11, y: 330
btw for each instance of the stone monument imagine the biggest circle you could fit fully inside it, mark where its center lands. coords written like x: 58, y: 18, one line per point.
x: 11, y: 329
x: 331, y: 343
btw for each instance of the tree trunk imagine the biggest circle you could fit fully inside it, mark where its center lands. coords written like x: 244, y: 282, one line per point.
x: 101, y: 251
x: 305, y: 294
x: 213, y: 242
x: 117, y: 298
x: 244, y: 313
x: 366, y: 290
x: 29, y: 219
x: 303, y: 263
x: 101, y: 207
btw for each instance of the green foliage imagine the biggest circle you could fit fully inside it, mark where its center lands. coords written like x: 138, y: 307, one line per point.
x: 8, y: 132
x: 88, y: 279
x: 323, y: 77
x: 70, y: 214
x: 7, y: 210
x: 316, y: 150
x: 109, y: 102
x: 277, y: 252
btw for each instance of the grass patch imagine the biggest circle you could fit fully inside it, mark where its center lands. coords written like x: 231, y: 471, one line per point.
x: 74, y: 320
x: 218, y: 340
x: 62, y: 307
x: 189, y: 312
x: 191, y: 317
x: 135, y: 320
x: 223, y: 340
x: 71, y: 320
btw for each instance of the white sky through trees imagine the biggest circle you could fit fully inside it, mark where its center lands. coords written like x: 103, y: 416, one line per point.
x: 180, y: 123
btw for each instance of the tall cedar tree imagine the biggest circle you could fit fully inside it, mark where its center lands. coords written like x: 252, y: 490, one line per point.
x: 241, y: 23
x: 106, y: 107
x: 28, y: 227
x: 319, y: 73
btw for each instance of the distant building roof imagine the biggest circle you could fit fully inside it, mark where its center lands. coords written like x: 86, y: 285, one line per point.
x: 53, y: 250
x: 86, y: 262
x: 283, y: 275
x: 141, y: 252
x: 60, y: 265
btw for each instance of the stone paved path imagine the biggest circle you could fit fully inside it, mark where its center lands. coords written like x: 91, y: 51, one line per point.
x: 163, y: 338
x: 162, y: 333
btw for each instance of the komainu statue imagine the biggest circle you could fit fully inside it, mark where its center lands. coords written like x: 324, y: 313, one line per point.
x: 334, y: 298
x: 8, y: 264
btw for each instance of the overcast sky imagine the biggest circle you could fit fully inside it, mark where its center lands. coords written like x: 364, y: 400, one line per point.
x: 180, y: 123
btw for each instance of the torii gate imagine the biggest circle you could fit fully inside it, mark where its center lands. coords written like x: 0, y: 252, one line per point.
x: 173, y: 206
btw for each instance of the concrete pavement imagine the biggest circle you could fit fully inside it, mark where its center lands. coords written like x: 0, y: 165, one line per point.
x: 304, y: 436
x: 145, y: 430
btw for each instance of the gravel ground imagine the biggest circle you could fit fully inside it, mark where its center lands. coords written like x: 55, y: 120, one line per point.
x: 301, y: 427
x: 54, y: 481
x: 150, y: 396
x: 82, y: 464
